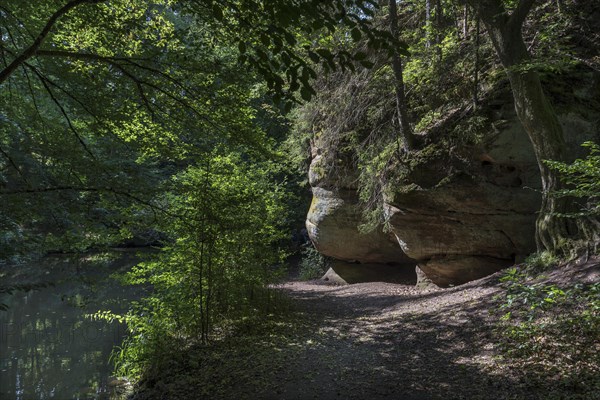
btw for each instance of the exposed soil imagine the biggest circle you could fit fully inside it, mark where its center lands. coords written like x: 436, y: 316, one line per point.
x: 366, y: 341
x: 381, y: 341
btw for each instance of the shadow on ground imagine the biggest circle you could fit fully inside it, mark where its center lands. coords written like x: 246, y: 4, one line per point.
x: 391, y: 341
x: 364, y: 341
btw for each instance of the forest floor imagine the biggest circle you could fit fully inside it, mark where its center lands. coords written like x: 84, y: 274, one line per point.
x: 366, y: 341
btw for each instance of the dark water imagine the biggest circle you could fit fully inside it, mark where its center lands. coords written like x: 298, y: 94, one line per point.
x: 49, y: 349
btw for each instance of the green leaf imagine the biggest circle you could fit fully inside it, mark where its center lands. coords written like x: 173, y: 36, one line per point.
x: 305, y: 93
x: 359, y: 55
x: 367, y: 64
x: 290, y: 38
x: 265, y: 39
x: 313, y: 56
x: 288, y: 107
x: 326, y: 54
x: 262, y: 55
x: 217, y: 12
x: 403, y: 49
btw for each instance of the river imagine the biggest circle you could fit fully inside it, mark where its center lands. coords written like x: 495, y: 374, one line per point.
x: 49, y: 349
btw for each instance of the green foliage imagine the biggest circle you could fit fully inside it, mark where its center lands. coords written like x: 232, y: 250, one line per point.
x: 534, y: 298
x: 552, y: 328
x: 375, y: 176
x: 284, y: 40
x: 313, y: 264
x: 470, y: 131
x: 353, y: 123
x: 554, y: 49
x: 119, y: 97
x: 428, y: 119
x: 542, y: 261
x: 582, y: 180
x: 230, y: 214
x: 129, y: 116
x: 137, y: 115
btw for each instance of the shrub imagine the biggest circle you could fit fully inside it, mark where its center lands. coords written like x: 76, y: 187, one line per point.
x: 313, y: 264
x: 552, y: 330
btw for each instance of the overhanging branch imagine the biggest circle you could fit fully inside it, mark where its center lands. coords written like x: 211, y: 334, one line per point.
x: 64, y: 113
x: 31, y: 50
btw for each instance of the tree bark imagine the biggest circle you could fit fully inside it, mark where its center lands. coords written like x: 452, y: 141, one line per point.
x: 427, y: 23
x: 476, y: 66
x: 409, y: 139
x: 534, y: 111
x: 465, y: 26
x: 439, y: 13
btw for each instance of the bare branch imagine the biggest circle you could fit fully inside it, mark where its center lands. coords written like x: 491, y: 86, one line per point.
x: 72, y: 97
x: 31, y: 50
x: 63, y: 90
x: 33, y: 97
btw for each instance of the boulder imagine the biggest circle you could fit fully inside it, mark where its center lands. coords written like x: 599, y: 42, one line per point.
x: 333, y: 226
x: 459, y: 213
x: 465, y: 219
x: 423, y: 281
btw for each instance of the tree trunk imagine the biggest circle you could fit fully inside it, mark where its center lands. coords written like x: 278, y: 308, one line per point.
x: 406, y: 132
x: 427, y: 22
x: 439, y: 13
x: 541, y: 124
x: 534, y: 111
x: 465, y: 27
x: 476, y: 66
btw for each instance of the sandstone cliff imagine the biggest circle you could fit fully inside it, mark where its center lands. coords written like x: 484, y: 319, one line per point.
x: 458, y: 213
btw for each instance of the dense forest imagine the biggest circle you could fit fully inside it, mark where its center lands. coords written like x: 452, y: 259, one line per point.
x: 157, y: 164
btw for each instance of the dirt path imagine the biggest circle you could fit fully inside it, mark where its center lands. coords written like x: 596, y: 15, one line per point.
x: 363, y: 341
x: 383, y: 341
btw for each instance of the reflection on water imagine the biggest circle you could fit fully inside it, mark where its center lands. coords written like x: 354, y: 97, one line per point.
x: 48, y: 348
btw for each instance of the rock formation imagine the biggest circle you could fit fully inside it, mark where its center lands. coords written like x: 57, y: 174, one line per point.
x: 458, y: 215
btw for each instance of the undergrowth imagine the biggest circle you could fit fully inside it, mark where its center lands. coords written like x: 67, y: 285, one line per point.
x: 313, y: 264
x: 241, y: 364
x: 551, y: 329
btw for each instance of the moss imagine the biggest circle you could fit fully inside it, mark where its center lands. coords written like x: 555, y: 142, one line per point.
x: 313, y: 204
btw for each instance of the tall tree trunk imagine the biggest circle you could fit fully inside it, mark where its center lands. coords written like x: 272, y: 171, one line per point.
x: 427, y: 22
x: 465, y: 26
x: 476, y: 66
x: 408, y: 137
x: 534, y: 111
x: 439, y: 14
